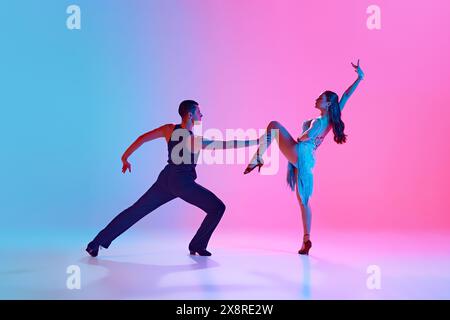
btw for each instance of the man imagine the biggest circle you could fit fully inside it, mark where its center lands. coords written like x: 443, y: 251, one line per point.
x: 176, y: 180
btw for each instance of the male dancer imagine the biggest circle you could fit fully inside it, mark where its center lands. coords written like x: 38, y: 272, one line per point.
x: 175, y: 180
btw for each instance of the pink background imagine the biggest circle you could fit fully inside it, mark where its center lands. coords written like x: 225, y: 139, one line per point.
x: 256, y: 61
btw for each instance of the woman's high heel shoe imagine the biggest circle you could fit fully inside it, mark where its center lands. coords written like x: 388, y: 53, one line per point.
x: 251, y: 167
x: 305, y: 248
x: 259, y: 163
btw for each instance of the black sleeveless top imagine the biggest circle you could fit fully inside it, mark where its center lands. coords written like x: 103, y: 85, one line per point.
x: 176, y: 138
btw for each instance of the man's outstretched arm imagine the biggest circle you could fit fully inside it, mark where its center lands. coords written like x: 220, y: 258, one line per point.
x: 161, y: 132
x: 230, y: 144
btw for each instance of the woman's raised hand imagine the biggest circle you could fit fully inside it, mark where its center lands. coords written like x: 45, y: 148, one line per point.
x: 358, y: 70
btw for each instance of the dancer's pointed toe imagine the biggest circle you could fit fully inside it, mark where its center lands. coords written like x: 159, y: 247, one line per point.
x: 250, y: 167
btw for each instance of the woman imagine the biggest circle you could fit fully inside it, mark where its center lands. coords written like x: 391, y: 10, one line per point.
x: 301, y: 153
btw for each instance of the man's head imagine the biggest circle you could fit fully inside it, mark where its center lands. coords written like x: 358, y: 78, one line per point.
x: 189, y: 109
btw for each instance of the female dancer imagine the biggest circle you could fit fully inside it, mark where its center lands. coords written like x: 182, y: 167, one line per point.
x: 301, y: 153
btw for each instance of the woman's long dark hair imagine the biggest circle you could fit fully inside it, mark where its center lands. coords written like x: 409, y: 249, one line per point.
x: 338, y: 130
x: 335, y: 117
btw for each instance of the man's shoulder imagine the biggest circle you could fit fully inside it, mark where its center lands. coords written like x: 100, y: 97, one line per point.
x: 168, y: 129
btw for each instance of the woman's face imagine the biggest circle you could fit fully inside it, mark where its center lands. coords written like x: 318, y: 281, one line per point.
x: 322, y: 103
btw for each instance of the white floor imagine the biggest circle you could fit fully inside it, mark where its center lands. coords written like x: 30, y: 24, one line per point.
x: 243, y: 266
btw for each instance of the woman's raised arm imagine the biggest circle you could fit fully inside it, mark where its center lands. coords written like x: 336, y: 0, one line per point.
x: 352, y: 88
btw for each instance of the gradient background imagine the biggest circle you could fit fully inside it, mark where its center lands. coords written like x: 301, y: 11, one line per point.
x: 73, y: 100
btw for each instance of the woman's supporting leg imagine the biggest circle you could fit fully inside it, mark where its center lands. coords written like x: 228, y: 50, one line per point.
x: 287, y: 144
x: 306, y: 216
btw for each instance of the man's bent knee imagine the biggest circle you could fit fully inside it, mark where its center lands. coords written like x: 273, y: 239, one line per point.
x: 220, y: 209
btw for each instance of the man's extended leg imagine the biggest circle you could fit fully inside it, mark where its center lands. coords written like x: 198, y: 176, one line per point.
x: 152, y: 199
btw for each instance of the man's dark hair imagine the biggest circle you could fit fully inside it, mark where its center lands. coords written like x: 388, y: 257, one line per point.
x: 187, y: 106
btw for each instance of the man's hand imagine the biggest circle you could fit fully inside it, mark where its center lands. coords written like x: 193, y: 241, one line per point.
x: 126, y: 165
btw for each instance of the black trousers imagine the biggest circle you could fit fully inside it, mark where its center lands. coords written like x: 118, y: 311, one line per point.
x: 173, y: 182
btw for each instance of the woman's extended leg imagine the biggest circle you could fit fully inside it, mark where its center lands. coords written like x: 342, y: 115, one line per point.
x: 287, y: 144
